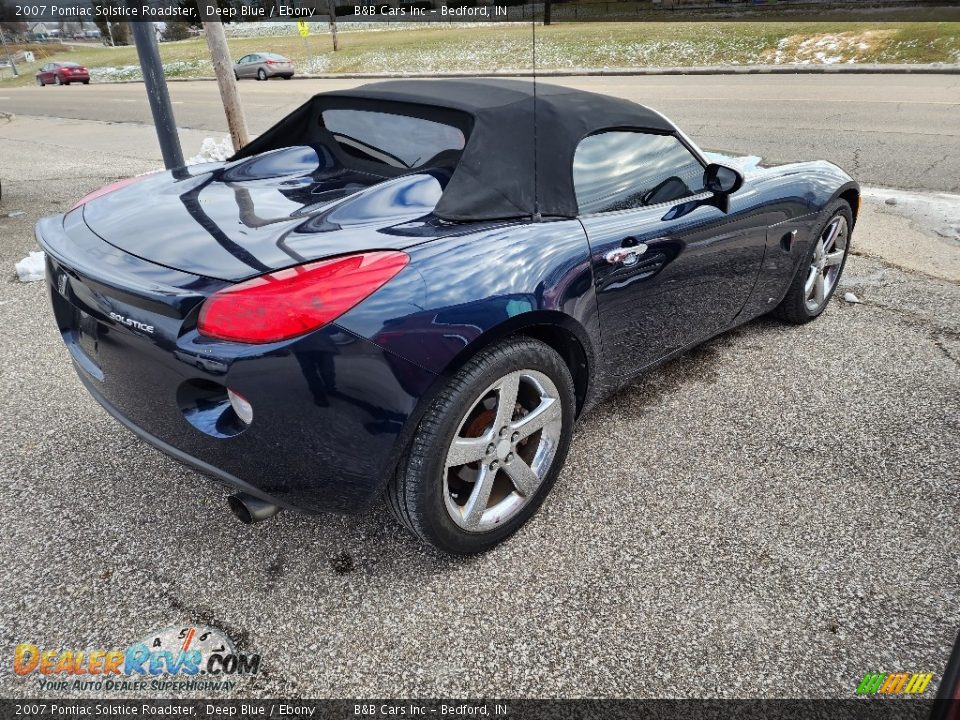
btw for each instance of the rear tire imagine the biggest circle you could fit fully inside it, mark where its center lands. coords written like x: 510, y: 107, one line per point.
x: 477, y: 468
x: 261, y: 74
x: 819, y: 272
x: 86, y: 82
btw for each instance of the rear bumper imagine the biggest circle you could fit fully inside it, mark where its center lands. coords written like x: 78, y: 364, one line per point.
x: 332, y: 411
x: 168, y: 449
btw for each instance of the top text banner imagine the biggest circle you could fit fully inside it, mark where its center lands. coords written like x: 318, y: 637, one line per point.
x: 54, y: 12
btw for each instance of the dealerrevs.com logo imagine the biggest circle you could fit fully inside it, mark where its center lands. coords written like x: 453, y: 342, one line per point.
x: 177, y: 658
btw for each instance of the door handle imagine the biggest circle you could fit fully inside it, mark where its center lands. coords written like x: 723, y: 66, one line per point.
x: 626, y: 256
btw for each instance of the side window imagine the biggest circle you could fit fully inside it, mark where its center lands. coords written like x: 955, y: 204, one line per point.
x: 620, y: 170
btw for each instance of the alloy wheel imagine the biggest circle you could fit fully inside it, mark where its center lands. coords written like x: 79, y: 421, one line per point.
x: 502, y: 450
x: 828, y: 255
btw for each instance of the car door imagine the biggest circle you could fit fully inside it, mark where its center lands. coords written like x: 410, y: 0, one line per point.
x: 671, y: 267
x: 45, y: 73
x: 243, y: 66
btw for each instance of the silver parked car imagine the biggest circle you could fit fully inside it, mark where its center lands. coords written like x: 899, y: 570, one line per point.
x: 263, y: 65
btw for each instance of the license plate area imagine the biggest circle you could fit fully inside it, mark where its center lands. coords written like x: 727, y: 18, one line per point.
x: 82, y: 341
x: 87, y: 334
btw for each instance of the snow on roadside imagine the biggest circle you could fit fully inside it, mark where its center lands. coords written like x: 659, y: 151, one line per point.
x: 32, y: 267
x: 938, y: 212
x: 830, y: 48
x: 212, y: 150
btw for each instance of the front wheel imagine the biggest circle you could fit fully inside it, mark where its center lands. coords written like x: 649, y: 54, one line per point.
x: 40, y: 82
x: 488, y: 450
x: 820, y: 271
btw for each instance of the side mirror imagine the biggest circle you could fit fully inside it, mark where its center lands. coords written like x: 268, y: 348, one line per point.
x: 721, y: 179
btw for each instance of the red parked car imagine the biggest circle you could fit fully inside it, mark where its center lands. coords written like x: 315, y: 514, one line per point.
x: 62, y: 73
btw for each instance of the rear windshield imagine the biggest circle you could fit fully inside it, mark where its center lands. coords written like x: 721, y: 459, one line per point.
x: 273, y: 56
x: 68, y: 64
x: 398, y: 141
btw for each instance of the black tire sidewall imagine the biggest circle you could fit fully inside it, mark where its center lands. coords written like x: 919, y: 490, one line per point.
x: 795, y: 301
x: 425, y: 464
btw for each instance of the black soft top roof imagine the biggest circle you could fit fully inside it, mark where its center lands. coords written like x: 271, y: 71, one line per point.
x: 498, y: 175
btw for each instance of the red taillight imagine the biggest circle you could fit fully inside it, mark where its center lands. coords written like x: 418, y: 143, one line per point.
x: 271, y: 62
x: 109, y: 189
x: 291, y: 302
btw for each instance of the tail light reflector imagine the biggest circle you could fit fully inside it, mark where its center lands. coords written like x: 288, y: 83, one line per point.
x: 295, y: 301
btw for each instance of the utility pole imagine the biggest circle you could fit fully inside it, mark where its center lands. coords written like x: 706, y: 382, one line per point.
x: 332, y: 8
x: 227, y: 81
x: 145, y: 38
x: 13, y: 65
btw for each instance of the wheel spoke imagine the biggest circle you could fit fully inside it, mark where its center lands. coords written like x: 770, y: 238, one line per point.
x: 479, y: 497
x: 834, y: 258
x: 830, y: 234
x: 546, y: 412
x: 811, y: 280
x: 524, y: 479
x: 466, y: 450
x: 819, y: 289
x: 507, y: 400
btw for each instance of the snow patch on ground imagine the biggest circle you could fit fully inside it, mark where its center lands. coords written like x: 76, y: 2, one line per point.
x: 178, y: 68
x: 32, y: 267
x: 212, y: 150
x: 829, y: 48
x: 935, y: 211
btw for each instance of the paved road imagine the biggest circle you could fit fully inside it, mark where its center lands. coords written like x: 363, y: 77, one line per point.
x: 889, y: 130
x: 774, y: 514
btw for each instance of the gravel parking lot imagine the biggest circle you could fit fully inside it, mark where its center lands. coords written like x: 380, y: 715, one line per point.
x: 774, y: 514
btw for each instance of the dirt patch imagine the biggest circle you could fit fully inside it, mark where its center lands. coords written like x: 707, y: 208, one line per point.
x: 830, y: 48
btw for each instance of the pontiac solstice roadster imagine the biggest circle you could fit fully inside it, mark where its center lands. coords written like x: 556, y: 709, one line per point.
x: 413, y: 289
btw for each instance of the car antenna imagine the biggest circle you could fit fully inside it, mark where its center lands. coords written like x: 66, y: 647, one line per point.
x: 536, y: 194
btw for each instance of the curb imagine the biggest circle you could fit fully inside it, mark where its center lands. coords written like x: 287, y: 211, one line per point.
x: 619, y: 72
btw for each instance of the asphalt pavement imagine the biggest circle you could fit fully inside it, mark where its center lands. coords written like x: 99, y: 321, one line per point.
x: 773, y: 515
x: 885, y: 129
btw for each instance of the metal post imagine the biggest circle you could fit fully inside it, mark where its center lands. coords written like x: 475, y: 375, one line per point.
x: 145, y: 38
x: 13, y: 65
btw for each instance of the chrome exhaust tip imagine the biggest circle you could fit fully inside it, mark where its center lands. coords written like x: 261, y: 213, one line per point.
x: 249, y: 509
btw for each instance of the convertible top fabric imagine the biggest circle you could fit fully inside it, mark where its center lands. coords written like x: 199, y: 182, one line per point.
x: 499, y: 175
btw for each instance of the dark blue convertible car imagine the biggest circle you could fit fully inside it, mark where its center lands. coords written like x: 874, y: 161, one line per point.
x: 414, y: 288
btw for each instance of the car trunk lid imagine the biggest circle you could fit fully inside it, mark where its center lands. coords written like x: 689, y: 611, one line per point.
x: 236, y: 220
